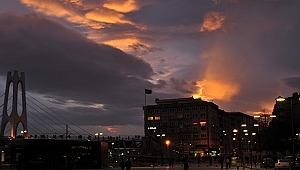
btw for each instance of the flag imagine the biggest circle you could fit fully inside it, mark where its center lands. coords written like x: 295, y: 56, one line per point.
x: 147, y: 91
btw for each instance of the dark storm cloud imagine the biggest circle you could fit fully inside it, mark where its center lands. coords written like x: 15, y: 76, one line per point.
x: 64, y: 65
x: 293, y: 82
x: 142, y: 49
x: 180, y: 85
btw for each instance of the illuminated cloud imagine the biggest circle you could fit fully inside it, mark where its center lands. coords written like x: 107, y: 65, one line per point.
x: 122, y: 44
x: 122, y: 6
x: 212, y: 21
x: 106, y: 16
x: 77, y: 12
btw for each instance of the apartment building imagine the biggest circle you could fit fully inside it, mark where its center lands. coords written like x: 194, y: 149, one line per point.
x: 191, y: 125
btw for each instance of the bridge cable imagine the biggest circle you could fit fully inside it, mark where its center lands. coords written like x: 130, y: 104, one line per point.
x: 59, y: 115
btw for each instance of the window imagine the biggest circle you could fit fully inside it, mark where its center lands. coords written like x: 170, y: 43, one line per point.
x: 149, y: 111
x: 202, y: 114
x: 195, y: 115
x: 179, y: 116
x: 164, y: 110
x: 195, y: 108
x: 187, y: 122
x: 187, y: 116
x: 179, y: 109
x: 187, y: 109
x: 157, y: 118
x: 187, y: 130
x: 171, y: 116
x: 150, y: 118
x: 172, y: 110
x: 203, y: 142
x: 202, y: 107
x: 203, y: 135
x: 156, y: 111
x: 187, y: 136
x: 172, y: 123
x: 202, y: 123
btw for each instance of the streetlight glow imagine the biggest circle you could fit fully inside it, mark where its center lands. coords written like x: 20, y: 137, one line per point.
x: 167, y: 142
x: 280, y: 99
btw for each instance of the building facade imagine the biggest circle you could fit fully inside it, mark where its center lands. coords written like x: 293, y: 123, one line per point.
x: 191, y: 125
x: 288, y: 109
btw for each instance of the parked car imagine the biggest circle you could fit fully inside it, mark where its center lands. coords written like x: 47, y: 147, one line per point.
x: 267, y: 162
x: 283, y: 164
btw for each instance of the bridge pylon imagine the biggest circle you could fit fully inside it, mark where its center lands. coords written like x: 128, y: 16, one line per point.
x: 14, y: 118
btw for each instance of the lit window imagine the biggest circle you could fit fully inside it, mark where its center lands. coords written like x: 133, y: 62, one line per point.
x: 150, y: 118
x: 157, y: 118
x: 202, y: 123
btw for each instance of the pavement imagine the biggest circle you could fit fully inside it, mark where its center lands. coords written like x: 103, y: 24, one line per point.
x: 193, y: 166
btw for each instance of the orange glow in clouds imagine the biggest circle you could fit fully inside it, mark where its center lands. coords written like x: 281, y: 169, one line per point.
x: 125, y: 6
x: 216, y: 89
x: 222, y: 77
x: 212, y: 21
x: 122, y: 44
x: 105, y: 16
x: 111, y: 129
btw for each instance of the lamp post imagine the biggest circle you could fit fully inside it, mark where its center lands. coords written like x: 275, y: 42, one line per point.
x: 265, y: 118
x: 98, y: 135
x: 168, y: 146
x: 24, y: 132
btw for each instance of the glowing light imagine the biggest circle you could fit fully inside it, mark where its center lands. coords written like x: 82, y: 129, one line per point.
x: 280, y: 99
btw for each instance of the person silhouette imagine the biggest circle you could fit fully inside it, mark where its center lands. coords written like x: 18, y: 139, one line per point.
x: 122, y: 164
x: 128, y: 164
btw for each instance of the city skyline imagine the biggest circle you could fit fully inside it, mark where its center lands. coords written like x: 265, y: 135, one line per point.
x: 92, y: 60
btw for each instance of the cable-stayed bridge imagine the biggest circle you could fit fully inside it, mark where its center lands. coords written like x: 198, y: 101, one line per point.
x: 27, y: 117
x: 44, y: 122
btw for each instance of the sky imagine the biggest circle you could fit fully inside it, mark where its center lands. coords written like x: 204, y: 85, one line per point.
x: 89, y: 61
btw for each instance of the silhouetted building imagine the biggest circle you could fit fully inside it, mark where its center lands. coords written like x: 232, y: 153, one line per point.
x: 288, y: 108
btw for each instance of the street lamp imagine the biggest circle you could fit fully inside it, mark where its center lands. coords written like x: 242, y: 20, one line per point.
x: 161, y: 142
x: 98, y: 135
x: 24, y: 133
x: 168, y: 145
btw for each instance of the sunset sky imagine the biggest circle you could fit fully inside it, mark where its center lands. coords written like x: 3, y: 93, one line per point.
x: 90, y: 60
